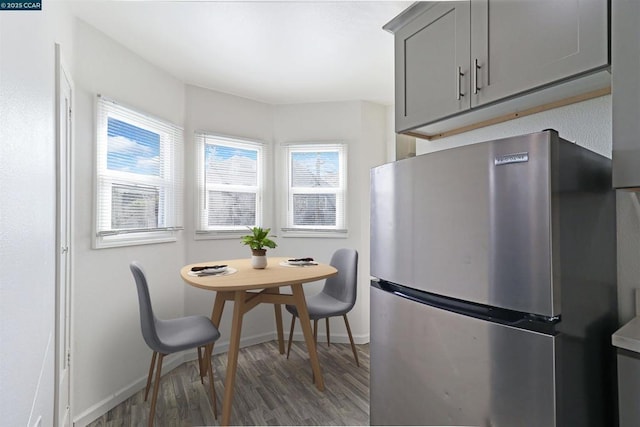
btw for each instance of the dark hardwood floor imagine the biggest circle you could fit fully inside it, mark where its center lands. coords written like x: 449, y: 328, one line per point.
x: 270, y: 390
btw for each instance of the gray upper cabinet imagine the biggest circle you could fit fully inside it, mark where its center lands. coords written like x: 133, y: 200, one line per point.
x: 452, y: 57
x: 524, y: 44
x: 432, y: 65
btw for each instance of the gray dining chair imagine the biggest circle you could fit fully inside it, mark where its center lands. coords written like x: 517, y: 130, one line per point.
x: 337, y: 297
x: 170, y: 336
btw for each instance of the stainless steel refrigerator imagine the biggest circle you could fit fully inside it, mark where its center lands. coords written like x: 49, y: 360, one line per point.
x: 493, y: 296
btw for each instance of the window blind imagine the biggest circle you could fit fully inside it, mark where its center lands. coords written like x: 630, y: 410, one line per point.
x: 139, y: 171
x: 316, y: 188
x: 230, y: 183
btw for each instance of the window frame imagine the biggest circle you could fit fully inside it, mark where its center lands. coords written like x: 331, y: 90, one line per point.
x: 202, y: 138
x: 169, y: 182
x: 287, y: 228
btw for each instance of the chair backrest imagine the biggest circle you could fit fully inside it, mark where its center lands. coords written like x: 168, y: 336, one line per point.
x: 147, y: 318
x: 343, y: 286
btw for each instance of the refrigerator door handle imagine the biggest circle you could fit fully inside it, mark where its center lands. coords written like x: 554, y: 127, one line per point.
x: 516, y: 319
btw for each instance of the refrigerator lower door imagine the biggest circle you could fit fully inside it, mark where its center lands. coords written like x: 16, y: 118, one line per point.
x: 437, y: 368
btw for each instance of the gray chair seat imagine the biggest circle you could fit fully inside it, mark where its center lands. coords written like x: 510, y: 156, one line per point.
x: 337, y: 298
x: 185, y: 333
x: 321, y: 306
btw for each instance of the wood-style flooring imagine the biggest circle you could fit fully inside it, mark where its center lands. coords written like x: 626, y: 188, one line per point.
x: 269, y: 390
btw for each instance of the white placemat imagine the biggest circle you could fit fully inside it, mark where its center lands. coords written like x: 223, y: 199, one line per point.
x: 286, y: 264
x: 228, y: 271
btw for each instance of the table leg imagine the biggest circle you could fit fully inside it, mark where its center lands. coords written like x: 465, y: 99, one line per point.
x: 232, y: 355
x: 216, y: 315
x: 218, y: 307
x: 278, y: 311
x: 303, y: 314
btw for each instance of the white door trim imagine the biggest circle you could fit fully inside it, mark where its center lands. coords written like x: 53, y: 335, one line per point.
x: 63, y: 255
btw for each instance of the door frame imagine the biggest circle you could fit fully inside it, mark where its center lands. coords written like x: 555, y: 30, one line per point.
x: 63, y: 332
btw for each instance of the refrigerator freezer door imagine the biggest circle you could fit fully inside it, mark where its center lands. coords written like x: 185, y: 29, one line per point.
x: 472, y: 223
x: 434, y: 367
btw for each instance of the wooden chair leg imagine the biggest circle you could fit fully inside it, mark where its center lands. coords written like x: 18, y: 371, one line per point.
x: 156, y: 388
x: 315, y: 341
x: 208, y: 351
x: 201, y: 364
x: 151, y: 367
x: 328, y: 343
x: 293, y: 323
x: 353, y: 346
x: 315, y: 332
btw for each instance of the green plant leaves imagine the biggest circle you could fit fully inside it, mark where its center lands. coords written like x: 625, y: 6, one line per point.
x: 258, y: 239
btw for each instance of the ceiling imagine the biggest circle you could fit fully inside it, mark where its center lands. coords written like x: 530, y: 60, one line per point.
x: 278, y: 52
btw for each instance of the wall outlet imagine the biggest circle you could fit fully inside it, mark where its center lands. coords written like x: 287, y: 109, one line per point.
x: 38, y: 422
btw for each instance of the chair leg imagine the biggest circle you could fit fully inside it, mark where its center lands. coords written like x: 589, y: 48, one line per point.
x: 208, y: 351
x: 315, y: 332
x: 156, y: 388
x: 293, y: 323
x: 201, y: 364
x: 315, y: 341
x: 151, y: 367
x: 353, y: 346
x: 328, y: 343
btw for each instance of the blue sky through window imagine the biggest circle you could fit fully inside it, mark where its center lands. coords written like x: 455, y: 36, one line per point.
x: 315, y: 169
x: 218, y: 153
x: 325, y: 162
x: 132, y: 149
x: 228, y: 165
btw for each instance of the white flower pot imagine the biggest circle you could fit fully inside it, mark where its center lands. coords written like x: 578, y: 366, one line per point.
x: 260, y: 260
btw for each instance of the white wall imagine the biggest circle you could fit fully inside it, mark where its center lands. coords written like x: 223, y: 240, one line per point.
x: 371, y: 152
x: 110, y: 358
x: 27, y: 211
x: 589, y: 125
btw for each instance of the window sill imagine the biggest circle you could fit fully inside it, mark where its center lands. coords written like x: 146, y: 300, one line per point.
x: 134, y: 239
x: 314, y: 234
x: 217, y: 235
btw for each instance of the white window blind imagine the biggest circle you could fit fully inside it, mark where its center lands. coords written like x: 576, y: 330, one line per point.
x: 139, y: 176
x: 230, y: 184
x: 316, y: 180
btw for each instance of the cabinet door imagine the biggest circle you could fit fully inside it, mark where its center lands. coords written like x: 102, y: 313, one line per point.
x: 432, y: 65
x: 520, y: 45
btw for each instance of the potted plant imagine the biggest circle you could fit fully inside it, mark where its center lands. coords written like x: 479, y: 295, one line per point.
x: 258, y: 241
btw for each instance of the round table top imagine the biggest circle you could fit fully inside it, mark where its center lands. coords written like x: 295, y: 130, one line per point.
x: 247, y: 277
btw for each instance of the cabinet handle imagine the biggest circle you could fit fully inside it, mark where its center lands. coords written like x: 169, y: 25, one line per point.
x: 458, y: 77
x: 476, y: 67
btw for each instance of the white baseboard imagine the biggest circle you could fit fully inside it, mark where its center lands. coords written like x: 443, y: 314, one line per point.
x: 337, y: 338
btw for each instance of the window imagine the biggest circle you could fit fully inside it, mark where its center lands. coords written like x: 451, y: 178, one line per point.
x: 230, y: 184
x: 139, y: 177
x: 316, y: 190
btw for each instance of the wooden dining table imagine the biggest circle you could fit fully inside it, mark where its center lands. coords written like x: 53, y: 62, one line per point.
x: 247, y: 287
